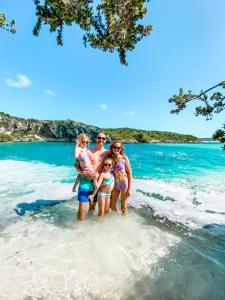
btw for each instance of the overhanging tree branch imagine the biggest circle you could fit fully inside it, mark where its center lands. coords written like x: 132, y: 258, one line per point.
x: 114, y: 25
x: 211, y: 104
x: 4, y: 24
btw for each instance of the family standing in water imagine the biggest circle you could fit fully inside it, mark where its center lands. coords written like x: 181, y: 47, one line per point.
x: 104, y: 175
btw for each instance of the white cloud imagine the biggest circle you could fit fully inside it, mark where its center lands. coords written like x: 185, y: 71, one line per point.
x: 130, y: 113
x: 22, y: 81
x: 49, y: 92
x: 103, y: 106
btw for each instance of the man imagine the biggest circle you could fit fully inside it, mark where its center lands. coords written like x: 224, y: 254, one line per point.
x: 86, y: 186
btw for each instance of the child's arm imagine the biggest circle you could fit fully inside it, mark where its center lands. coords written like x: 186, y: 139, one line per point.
x: 77, y: 181
x: 89, y: 174
x: 77, y: 151
x: 99, y: 183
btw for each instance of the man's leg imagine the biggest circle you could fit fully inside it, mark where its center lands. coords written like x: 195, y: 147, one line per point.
x: 81, y: 211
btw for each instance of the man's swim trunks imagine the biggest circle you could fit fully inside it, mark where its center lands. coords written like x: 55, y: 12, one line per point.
x: 86, y: 188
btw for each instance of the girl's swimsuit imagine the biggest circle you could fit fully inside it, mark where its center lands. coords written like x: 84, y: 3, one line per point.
x: 106, y: 182
x: 120, y: 166
x: 83, y: 157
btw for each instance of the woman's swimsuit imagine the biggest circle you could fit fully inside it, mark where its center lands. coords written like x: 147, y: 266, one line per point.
x: 120, y: 166
x: 106, y: 182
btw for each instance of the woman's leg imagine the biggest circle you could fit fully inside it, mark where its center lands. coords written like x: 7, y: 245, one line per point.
x: 114, y: 197
x: 101, y: 206
x: 124, y: 201
x: 81, y: 211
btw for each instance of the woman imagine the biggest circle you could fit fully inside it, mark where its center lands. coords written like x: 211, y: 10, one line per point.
x: 123, y: 176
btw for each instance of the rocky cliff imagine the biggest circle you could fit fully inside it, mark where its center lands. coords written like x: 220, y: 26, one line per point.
x: 19, y: 129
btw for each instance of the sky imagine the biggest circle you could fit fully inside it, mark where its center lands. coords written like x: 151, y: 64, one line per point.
x: 39, y: 79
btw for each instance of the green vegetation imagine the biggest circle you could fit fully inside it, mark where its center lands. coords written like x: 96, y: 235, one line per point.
x: 5, y: 137
x: 31, y: 120
x: 145, y: 136
x: 67, y: 130
x: 112, y: 25
x: 17, y: 137
x: 211, y: 104
x: 4, y: 24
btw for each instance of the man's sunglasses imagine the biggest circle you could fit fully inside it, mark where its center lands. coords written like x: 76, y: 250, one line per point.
x: 116, y: 148
x: 108, y: 165
x: 101, y: 138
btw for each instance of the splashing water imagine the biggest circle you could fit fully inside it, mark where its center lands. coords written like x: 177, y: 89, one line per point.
x: 171, y: 245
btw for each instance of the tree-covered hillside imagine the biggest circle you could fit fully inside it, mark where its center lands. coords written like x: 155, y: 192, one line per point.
x: 19, y: 129
x: 145, y: 136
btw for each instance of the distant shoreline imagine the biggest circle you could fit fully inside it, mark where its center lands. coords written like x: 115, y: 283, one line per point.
x: 131, y: 143
x: 15, y: 129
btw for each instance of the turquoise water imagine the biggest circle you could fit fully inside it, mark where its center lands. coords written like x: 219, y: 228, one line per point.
x: 171, y: 246
x: 163, y: 161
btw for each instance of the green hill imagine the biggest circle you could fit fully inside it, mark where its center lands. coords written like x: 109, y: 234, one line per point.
x: 146, y: 136
x: 19, y: 129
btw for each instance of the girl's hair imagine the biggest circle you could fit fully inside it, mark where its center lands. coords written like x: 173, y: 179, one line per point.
x: 82, y: 137
x: 108, y: 157
x: 112, y: 145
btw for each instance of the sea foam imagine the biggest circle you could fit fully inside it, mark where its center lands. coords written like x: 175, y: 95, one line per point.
x: 49, y: 255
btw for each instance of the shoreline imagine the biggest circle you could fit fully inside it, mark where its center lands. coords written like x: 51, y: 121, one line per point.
x: 124, y: 142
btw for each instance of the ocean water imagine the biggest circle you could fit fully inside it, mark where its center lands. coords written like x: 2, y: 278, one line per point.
x: 170, y: 246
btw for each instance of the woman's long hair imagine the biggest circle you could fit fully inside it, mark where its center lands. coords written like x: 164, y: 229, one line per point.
x: 111, y: 147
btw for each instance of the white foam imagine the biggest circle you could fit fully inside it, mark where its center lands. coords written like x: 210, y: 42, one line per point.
x: 100, y: 260
x: 29, y: 181
x: 49, y: 255
x: 197, y: 202
x: 194, y: 203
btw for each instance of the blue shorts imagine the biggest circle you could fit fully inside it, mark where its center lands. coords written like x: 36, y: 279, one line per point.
x: 86, y: 188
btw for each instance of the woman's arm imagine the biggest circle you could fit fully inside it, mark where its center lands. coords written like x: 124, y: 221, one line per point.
x: 129, y: 174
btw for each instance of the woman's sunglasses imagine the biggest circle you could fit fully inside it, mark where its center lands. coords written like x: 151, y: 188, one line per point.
x: 108, y: 165
x: 84, y: 142
x: 101, y: 138
x: 116, y: 148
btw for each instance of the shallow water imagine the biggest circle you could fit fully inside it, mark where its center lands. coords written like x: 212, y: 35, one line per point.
x: 171, y: 246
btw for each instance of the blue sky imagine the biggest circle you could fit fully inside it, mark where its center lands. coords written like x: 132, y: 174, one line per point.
x: 186, y: 49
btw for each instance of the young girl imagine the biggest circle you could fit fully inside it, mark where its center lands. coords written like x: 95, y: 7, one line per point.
x: 84, y: 157
x: 104, y: 188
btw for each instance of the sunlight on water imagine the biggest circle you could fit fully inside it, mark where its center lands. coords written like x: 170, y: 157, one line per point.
x: 99, y: 259
x: 47, y: 254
